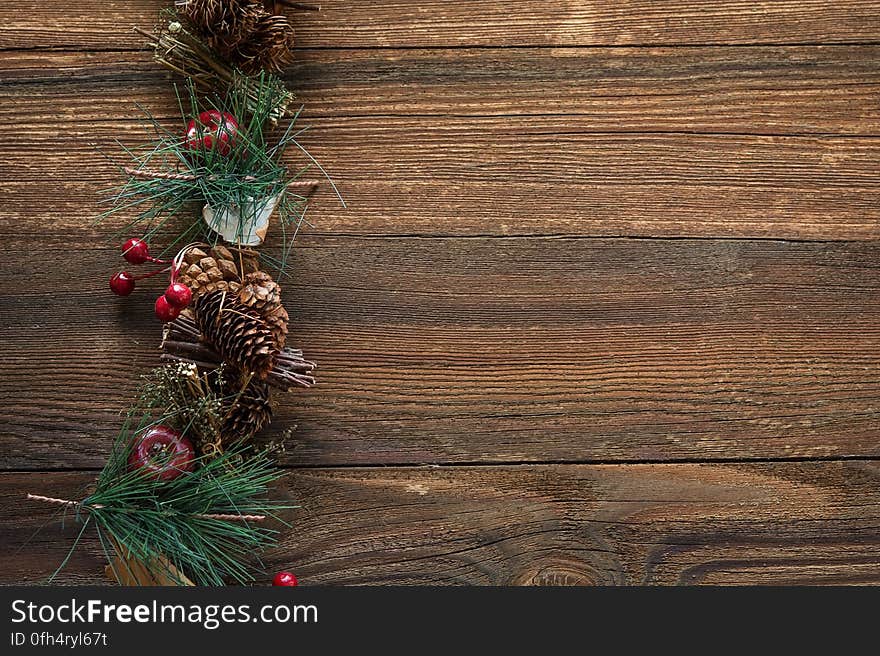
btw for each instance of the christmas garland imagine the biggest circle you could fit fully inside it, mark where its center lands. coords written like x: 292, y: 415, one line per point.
x: 184, y: 496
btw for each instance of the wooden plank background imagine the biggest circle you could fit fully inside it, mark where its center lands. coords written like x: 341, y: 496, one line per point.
x: 603, y: 308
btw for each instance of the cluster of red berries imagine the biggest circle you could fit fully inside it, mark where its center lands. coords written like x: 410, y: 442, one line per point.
x: 176, y: 297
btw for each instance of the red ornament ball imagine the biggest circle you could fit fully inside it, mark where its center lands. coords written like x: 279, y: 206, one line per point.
x: 178, y: 295
x: 166, y: 312
x: 136, y: 251
x: 162, y: 453
x: 122, y: 283
x: 212, y: 131
x: 285, y: 578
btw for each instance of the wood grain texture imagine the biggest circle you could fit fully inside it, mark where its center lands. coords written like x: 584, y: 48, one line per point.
x: 393, y: 23
x: 503, y: 177
x: 592, y: 407
x: 804, y: 523
x: 762, y: 90
x: 493, y: 350
x: 412, y: 155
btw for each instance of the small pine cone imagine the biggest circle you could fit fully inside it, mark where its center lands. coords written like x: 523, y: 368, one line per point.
x: 249, y: 411
x: 216, y: 270
x: 225, y: 24
x: 269, y: 45
x: 263, y: 294
x: 277, y: 319
x: 259, y: 291
x: 236, y: 332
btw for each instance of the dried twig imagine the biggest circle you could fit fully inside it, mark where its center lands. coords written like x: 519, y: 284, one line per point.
x: 219, y: 516
x: 147, y: 174
x: 182, y: 342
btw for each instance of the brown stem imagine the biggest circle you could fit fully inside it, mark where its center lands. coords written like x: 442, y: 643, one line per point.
x: 303, y: 183
x: 149, y: 35
x: 201, y: 364
x: 189, y: 177
x: 60, y: 502
x: 191, y: 348
x: 159, y: 175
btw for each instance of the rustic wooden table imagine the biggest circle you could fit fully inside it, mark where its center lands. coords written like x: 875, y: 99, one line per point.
x: 603, y: 307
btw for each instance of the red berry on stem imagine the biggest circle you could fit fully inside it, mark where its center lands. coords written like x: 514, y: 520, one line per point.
x: 213, y: 130
x: 178, y: 295
x: 136, y: 251
x: 162, y: 453
x: 165, y: 311
x: 122, y: 283
x: 285, y: 578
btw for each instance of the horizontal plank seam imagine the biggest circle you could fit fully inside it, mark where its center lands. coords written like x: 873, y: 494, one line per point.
x: 569, y: 237
x: 867, y: 136
x: 478, y: 464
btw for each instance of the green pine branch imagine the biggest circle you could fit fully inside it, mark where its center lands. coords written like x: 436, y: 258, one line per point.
x: 166, y: 179
x: 177, y: 522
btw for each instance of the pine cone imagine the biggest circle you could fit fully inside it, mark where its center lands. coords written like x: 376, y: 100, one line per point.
x: 238, y: 333
x: 259, y: 290
x: 268, y: 47
x: 243, y: 31
x: 277, y: 320
x: 263, y: 294
x: 225, y: 24
x: 249, y: 412
x: 216, y: 270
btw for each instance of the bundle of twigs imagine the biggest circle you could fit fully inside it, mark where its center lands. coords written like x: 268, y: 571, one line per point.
x: 182, y: 342
x: 181, y: 51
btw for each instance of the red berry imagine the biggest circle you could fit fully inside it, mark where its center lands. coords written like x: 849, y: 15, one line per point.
x: 136, y: 251
x: 213, y: 130
x: 178, y: 295
x: 162, y: 453
x: 122, y: 283
x: 165, y: 311
x: 285, y: 578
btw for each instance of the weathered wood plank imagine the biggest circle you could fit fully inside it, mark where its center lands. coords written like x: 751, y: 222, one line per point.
x: 765, y: 90
x: 488, y: 350
x: 95, y: 24
x: 419, y: 169
x: 494, y: 176
x: 782, y: 523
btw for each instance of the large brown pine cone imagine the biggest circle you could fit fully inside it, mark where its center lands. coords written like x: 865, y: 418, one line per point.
x: 238, y: 333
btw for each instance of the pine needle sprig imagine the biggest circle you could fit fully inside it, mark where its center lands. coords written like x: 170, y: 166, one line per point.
x: 206, y: 525
x: 165, y: 174
x: 178, y: 521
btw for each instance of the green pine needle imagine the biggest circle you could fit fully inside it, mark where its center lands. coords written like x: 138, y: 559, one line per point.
x: 253, y: 168
x: 144, y: 519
